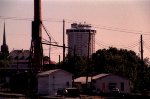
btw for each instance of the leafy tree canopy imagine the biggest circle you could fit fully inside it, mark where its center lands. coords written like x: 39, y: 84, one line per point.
x: 122, y: 62
x: 117, y: 61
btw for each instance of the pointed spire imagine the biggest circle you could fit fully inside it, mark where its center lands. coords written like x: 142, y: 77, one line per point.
x: 4, y: 36
x: 4, y: 47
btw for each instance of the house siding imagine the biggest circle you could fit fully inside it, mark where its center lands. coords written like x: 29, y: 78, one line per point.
x: 54, y: 81
x: 43, y: 85
x: 59, y: 80
x: 103, y: 83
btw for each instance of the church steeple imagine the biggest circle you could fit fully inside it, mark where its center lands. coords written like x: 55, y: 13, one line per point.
x: 4, y: 36
x: 4, y: 47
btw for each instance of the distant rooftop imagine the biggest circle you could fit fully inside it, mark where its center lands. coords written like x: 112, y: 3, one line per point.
x: 45, y: 73
x: 82, y: 80
x: 20, y: 54
x: 100, y: 76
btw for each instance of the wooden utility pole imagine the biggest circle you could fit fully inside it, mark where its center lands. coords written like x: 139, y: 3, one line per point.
x: 63, y: 40
x: 36, y: 43
x: 141, y: 42
x: 59, y: 59
x: 88, y: 58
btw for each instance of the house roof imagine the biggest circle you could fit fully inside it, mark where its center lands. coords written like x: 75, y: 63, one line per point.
x: 82, y: 80
x: 20, y: 54
x: 100, y: 76
x: 51, y: 71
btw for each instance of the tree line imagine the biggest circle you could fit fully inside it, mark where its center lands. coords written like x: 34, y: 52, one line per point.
x: 122, y: 62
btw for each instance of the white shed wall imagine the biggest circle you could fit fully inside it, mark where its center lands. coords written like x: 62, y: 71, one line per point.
x: 100, y: 83
x: 59, y: 80
x: 43, y: 85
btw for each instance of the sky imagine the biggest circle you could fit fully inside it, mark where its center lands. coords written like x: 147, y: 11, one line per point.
x: 119, y: 23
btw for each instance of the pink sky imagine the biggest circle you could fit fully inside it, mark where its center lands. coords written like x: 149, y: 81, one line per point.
x: 132, y: 15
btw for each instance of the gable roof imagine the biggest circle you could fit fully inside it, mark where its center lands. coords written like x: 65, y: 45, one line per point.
x: 82, y: 80
x: 100, y: 76
x: 51, y: 71
x: 20, y: 54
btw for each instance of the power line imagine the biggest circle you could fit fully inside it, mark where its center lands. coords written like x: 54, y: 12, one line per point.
x: 125, y: 31
x: 29, y: 19
x: 129, y: 46
x: 48, y: 33
x: 137, y: 32
x: 145, y: 44
x: 114, y: 28
x: 147, y: 47
x: 16, y: 18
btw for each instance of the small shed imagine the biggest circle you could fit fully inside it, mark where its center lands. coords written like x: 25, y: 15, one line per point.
x: 105, y: 83
x: 50, y: 81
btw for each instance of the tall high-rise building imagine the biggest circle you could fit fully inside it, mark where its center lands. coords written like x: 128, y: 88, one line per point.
x: 4, y: 46
x: 81, y: 39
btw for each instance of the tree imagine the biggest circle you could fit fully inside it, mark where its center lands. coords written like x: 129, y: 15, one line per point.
x: 117, y: 61
x: 74, y: 64
x: 122, y: 62
x: 4, y: 60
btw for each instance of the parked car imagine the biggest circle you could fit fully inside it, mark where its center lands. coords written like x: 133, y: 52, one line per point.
x: 72, y: 92
x: 60, y: 92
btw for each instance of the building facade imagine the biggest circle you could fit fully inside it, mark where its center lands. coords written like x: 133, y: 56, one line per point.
x: 19, y: 59
x: 81, y: 39
x: 49, y: 82
x: 105, y: 83
x: 108, y: 82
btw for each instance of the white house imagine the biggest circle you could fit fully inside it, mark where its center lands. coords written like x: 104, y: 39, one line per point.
x: 50, y: 81
x: 106, y: 82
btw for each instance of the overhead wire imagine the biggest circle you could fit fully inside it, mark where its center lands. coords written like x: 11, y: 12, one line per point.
x: 49, y: 35
x: 16, y: 18
x: 137, y: 32
x: 129, y: 46
x: 146, y: 46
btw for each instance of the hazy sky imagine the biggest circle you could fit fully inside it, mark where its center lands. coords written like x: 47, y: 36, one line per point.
x: 108, y: 17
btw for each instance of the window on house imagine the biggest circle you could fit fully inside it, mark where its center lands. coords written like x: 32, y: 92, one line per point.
x: 122, y: 86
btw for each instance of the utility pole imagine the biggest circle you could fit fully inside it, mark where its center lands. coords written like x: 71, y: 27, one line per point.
x: 88, y: 58
x: 36, y: 43
x: 141, y: 42
x: 59, y: 59
x: 63, y: 40
x: 50, y: 52
x: 74, y: 60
